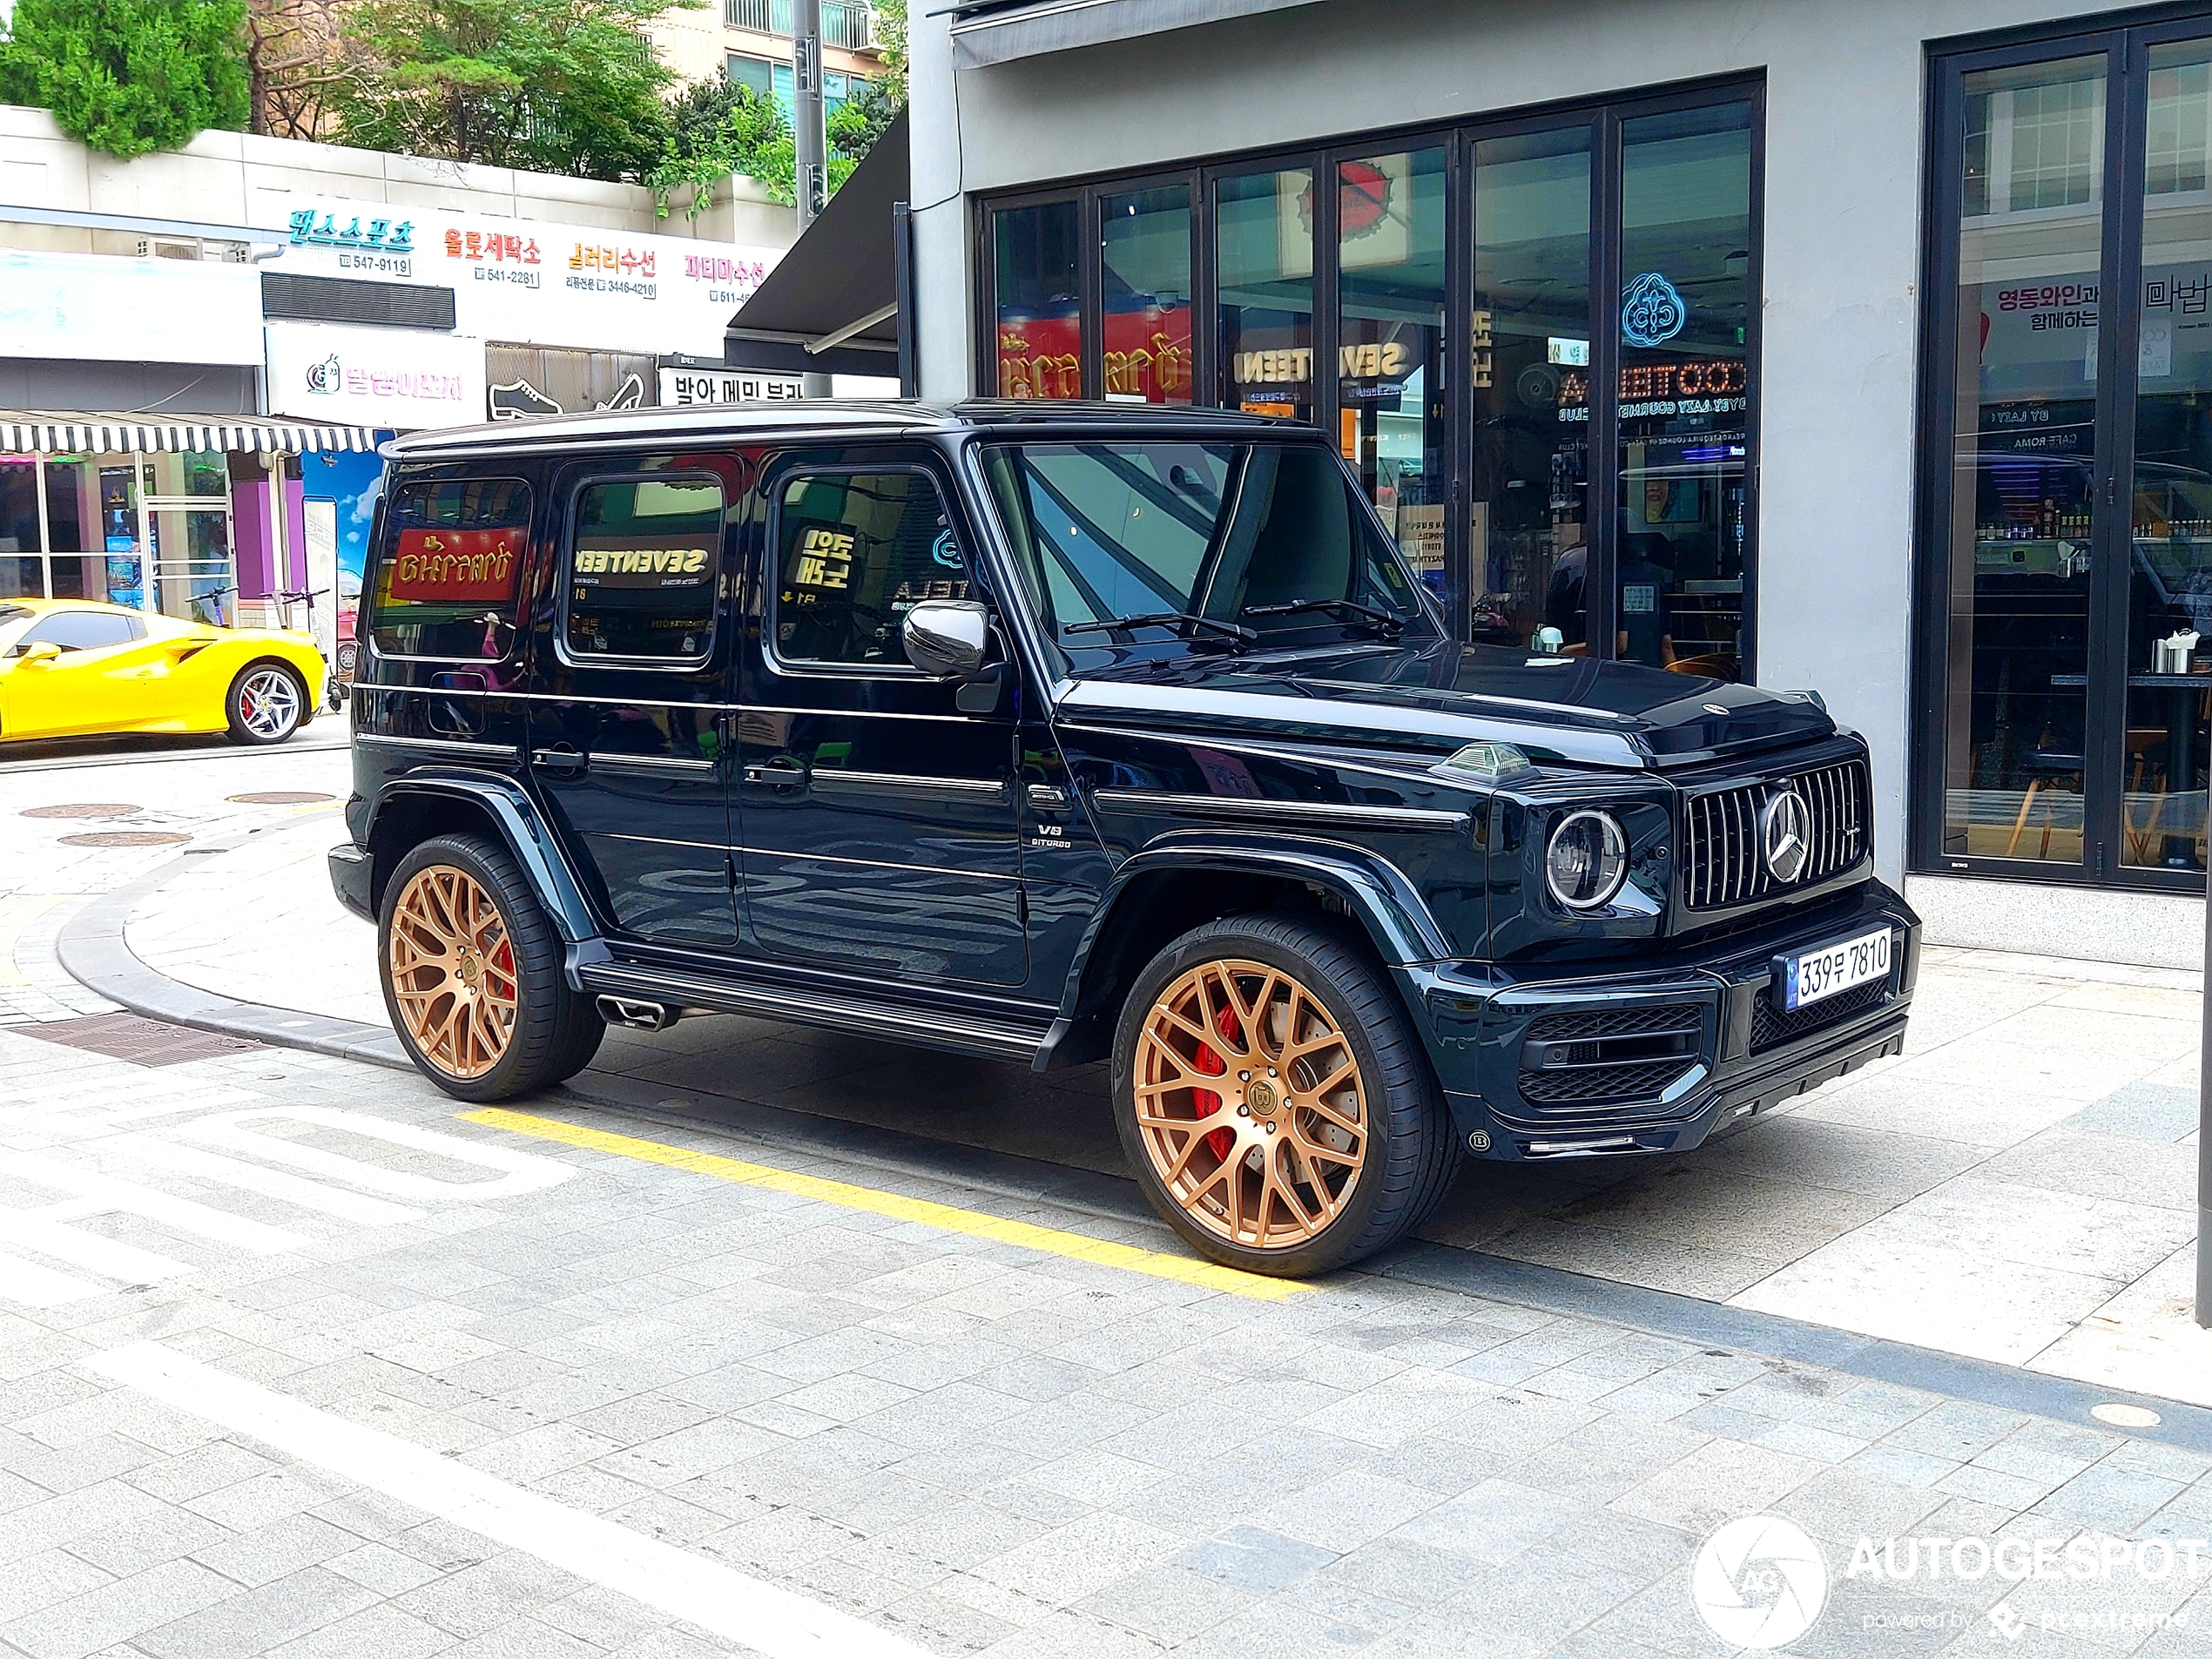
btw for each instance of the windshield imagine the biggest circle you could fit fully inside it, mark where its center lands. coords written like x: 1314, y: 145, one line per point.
x: 1267, y: 536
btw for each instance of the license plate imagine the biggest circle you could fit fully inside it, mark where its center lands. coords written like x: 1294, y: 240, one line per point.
x: 1812, y: 975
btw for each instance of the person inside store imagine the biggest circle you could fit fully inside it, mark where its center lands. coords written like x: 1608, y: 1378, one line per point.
x: 1646, y: 632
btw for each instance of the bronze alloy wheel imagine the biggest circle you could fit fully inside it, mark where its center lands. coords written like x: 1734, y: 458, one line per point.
x: 1250, y: 1104
x: 453, y: 971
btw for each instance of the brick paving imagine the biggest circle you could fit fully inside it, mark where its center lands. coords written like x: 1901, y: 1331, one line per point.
x: 974, y: 1446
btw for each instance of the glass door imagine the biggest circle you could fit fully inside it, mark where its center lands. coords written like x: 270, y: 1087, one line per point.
x: 2023, y: 455
x: 2169, y: 658
x: 2068, y: 647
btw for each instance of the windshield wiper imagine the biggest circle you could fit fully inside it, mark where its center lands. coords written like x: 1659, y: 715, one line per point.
x: 1237, y: 632
x: 1391, y: 623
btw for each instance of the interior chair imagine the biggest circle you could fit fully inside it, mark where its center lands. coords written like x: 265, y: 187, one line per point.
x: 2047, y: 769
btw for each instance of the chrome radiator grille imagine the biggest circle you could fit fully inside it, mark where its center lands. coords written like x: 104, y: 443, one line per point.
x: 1722, y: 860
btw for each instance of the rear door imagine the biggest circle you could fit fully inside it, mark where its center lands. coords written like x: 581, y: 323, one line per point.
x: 878, y: 821
x: 629, y: 688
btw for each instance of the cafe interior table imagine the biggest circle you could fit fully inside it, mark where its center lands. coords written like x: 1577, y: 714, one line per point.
x: 2185, y: 695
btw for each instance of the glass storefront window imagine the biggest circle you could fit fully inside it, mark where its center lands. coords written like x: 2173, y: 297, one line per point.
x: 119, y: 497
x: 22, y: 571
x: 1035, y: 254
x: 2025, y: 443
x: 1685, y: 382
x: 1390, y: 341
x: 1530, y: 340
x: 2162, y: 757
x: 1264, y: 274
x: 1145, y: 253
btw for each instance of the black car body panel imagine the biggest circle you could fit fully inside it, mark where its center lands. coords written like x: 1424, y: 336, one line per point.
x: 984, y: 866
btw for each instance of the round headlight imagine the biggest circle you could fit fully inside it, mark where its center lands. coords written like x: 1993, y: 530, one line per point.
x: 1587, y: 859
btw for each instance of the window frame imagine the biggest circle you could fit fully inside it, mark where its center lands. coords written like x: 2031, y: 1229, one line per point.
x: 560, y: 569
x: 2124, y: 40
x: 1603, y: 116
x: 779, y: 480
x: 386, y: 544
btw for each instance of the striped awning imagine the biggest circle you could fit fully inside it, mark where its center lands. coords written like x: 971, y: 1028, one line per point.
x: 42, y: 432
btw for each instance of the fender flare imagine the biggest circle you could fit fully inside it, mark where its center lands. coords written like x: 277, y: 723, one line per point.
x: 520, y: 825
x: 1376, y: 892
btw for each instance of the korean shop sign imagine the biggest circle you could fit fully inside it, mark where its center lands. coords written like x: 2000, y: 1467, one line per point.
x: 410, y: 378
x: 539, y: 282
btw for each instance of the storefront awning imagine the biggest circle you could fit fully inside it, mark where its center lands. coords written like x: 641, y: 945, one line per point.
x: 69, y: 432
x: 831, y: 306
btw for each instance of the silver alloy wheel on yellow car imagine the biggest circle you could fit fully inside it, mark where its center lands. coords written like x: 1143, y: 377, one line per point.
x: 267, y: 703
x: 473, y: 974
x: 1272, y: 1098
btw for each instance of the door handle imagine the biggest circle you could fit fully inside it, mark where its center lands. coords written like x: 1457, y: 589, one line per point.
x: 776, y: 774
x: 561, y: 762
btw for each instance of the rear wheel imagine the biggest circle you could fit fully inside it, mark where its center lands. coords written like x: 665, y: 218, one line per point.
x: 268, y: 703
x: 1273, y: 1099
x: 472, y: 975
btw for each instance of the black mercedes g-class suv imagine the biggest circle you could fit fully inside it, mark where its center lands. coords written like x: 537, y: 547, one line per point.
x: 1056, y: 734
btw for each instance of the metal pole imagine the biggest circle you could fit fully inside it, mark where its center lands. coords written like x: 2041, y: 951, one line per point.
x: 810, y: 139
x: 2204, y: 1146
x: 902, y: 279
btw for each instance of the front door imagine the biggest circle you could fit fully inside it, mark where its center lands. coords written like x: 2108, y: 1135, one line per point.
x: 628, y: 687
x: 878, y: 820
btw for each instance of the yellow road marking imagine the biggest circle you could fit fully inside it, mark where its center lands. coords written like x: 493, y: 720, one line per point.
x: 948, y: 1218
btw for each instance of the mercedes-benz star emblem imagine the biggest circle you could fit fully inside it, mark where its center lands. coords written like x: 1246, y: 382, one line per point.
x: 1782, y: 825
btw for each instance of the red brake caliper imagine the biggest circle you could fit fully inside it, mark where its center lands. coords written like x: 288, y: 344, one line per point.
x: 1204, y: 1101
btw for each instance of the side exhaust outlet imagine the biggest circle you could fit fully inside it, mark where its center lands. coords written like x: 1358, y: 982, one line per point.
x: 637, y: 1015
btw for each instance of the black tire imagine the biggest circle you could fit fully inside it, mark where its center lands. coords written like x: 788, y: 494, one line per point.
x: 1411, y: 1152
x: 555, y: 1030
x: 258, y: 688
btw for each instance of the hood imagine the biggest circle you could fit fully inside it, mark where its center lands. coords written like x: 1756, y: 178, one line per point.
x: 1436, y: 696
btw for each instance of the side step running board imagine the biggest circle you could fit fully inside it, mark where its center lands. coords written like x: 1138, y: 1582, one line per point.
x: 931, y: 1027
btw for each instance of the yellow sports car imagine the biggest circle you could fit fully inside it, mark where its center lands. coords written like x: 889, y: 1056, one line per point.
x: 72, y: 668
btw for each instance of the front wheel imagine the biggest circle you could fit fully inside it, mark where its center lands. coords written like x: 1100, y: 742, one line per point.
x: 1276, y: 1104
x: 472, y: 975
x: 267, y: 703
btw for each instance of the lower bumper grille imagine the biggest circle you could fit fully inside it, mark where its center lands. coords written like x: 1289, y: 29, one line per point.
x: 1604, y: 1056
x: 1771, y: 1027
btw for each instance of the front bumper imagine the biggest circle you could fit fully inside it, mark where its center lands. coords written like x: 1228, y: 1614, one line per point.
x: 1554, y: 1062
x: 351, y: 873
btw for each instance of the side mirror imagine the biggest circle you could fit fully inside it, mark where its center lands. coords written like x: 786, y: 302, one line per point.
x: 946, y: 638
x: 41, y: 655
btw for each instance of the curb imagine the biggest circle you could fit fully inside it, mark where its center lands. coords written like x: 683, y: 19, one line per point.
x: 94, y: 950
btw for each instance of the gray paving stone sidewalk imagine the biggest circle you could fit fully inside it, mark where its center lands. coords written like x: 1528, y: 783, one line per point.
x: 979, y: 1447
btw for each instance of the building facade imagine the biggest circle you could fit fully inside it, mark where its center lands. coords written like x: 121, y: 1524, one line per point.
x: 1854, y: 344
x: 199, y: 350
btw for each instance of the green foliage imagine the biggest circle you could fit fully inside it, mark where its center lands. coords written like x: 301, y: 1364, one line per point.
x: 860, y: 120
x: 564, y: 86
x: 717, y: 128
x: 891, y: 41
x: 129, y: 76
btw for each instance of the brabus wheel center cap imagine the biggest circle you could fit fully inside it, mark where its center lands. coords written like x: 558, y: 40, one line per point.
x: 1263, y: 1097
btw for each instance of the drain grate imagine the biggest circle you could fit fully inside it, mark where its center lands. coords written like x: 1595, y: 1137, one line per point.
x: 280, y: 798
x: 125, y: 838
x: 135, y: 1038
x: 83, y: 809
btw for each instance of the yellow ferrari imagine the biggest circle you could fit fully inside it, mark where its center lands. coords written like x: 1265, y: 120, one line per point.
x: 75, y: 668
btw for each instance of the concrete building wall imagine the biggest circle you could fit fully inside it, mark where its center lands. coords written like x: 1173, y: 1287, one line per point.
x: 220, y: 177
x: 1844, y: 128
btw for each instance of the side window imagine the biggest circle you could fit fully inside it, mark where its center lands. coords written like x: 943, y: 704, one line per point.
x: 641, y: 567
x: 855, y: 552
x: 81, y: 631
x: 451, y: 565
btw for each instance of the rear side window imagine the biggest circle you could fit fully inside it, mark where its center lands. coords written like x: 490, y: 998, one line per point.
x: 81, y: 631
x: 642, y: 568
x: 856, y: 551
x: 451, y: 569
